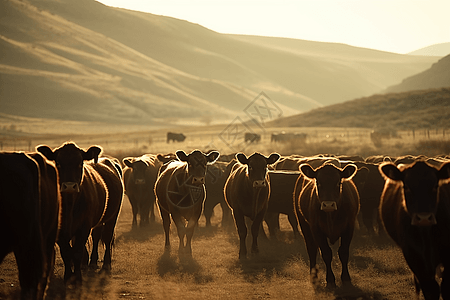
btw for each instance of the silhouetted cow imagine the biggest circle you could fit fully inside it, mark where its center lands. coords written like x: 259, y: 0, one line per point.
x: 326, y: 210
x: 30, y: 205
x: 216, y: 176
x: 139, y: 180
x: 176, y: 137
x: 415, y: 209
x: 282, y: 184
x: 91, y: 197
x: 180, y: 193
x: 252, y: 137
x: 247, y: 192
x: 286, y: 137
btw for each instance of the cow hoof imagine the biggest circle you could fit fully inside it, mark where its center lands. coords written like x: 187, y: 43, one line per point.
x: 331, y: 285
x: 106, y: 269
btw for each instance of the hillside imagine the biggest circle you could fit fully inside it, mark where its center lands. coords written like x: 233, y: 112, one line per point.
x: 442, y: 49
x: 84, y: 61
x: 435, y: 77
x: 399, y: 111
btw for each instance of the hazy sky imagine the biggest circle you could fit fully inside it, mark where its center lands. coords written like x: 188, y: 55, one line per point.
x: 391, y: 25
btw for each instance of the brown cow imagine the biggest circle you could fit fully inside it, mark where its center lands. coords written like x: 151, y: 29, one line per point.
x: 30, y: 205
x: 139, y: 180
x: 415, y: 210
x: 247, y: 192
x: 326, y: 211
x: 180, y: 193
x: 91, y: 197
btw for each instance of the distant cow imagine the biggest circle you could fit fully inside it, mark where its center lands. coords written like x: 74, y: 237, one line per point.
x: 139, y: 180
x: 282, y: 184
x: 175, y: 137
x: 286, y: 137
x: 30, y: 206
x: 247, y: 192
x: 415, y: 209
x: 252, y: 137
x: 216, y: 176
x: 91, y: 197
x: 180, y: 193
x: 326, y: 210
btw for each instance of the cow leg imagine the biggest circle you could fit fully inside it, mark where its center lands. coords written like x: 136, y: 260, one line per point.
x: 189, y: 234
x: 344, y: 253
x: 181, y: 230
x: 67, y: 255
x: 30, y: 263
x: 107, y: 238
x: 226, y: 215
x: 208, y: 210
x: 367, y: 218
x: 327, y: 256
x: 242, y: 232
x: 424, y: 278
x: 294, y: 224
x: 134, y: 209
x: 96, y: 235
x: 311, y: 247
x: 78, y: 248
x: 152, y: 209
x: 144, y: 211
x: 257, y: 224
x: 166, y: 225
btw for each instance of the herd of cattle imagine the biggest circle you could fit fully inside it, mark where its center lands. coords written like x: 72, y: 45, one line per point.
x: 66, y: 194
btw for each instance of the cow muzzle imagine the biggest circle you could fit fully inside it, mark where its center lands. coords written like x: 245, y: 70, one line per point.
x: 198, y: 180
x: 328, y: 206
x: 70, y: 187
x: 139, y: 181
x: 423, y: 219
x: 259, y: 183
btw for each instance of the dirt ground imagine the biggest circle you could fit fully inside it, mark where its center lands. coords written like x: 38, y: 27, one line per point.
x: 142, y: 270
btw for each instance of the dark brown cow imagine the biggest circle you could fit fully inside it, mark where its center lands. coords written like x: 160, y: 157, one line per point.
x: 252, y: 137
x: 175, y: 137
x: 180, y: 193
x: 326, y: 210
x: 30, y: 205
x: 216, y: 176
x: 282, y: 184
x: 91, y: 197
x: 415, y: 209
x: 139, y: 180
x: 247, y: 192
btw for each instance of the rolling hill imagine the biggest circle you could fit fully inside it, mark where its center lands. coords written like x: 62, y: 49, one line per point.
x: 435, y: 77
x: 429, y: 109
x: 442, y: 49
x: 84, y: 61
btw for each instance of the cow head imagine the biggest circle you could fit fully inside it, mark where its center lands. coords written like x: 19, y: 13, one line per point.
x: 196, y: 164
x: 328, y: 178
x: 420, y: 184
x: 69, y: 159
x: 257, y: 167
x: 139, y: 167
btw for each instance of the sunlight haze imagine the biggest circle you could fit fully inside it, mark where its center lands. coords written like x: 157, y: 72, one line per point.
x: 396, y: 26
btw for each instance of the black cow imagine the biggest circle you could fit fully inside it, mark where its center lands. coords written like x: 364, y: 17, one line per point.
x: 290, y: 136
x: 282, y: 184
x: 415, y: 210
x: 326, y: 211
x: 180, y: 193
x: 247, y: 192
x: 30, y: 209
x: 216, y: 176
x: 91, y: 197
x: 252, y: 137
x: 176, y: 137
x: 140, y: 177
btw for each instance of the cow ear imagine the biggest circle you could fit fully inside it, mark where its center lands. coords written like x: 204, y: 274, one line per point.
x: 242, y: 158
x: 389, y: 170
x: 46, y: 151
x: 349, y: 171
x: 212, y: 157
x: 308, y: 171
x: 92, y: 153
x: 273, y: 158
x: 128, y: 161
x: 182, y: 156
x: 444, y: 171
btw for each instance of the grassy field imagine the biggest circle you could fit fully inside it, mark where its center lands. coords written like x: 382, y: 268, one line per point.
x: 142, y: 270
